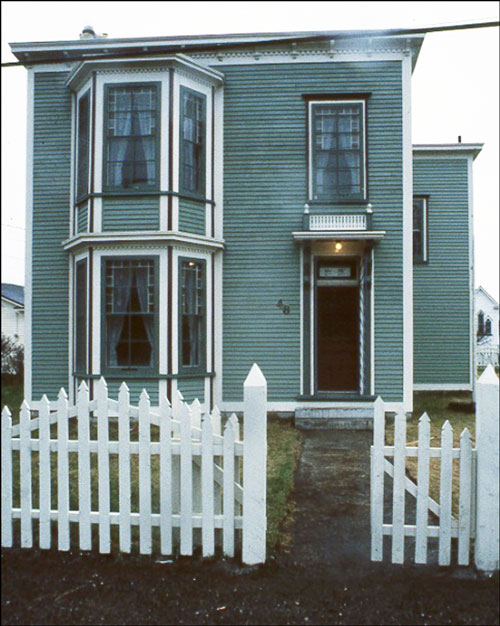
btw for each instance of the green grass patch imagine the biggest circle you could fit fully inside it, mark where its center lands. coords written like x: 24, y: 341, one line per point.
x: 440, y: 406
x: 283, y: 447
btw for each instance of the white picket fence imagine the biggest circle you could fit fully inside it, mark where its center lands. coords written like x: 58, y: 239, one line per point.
x: 478, y: 508
x: 208, y: 480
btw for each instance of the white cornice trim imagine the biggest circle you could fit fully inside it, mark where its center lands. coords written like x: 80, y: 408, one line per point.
x: 147, y: 64
x: 144, y: 238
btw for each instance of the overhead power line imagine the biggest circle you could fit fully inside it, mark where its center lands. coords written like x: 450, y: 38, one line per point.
x: 270, y: 38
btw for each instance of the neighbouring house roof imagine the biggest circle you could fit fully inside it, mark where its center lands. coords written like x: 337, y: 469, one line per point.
x: 14, y: 293
x: 490, y: 297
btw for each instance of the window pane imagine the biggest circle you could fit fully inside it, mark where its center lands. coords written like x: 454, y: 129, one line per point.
x: 192, y: 142
x: 193, y: 313
x: 131, y: 136
x: 419, y: 254
x: 81, y: 317
x: 337, y: 159
x: 83, y: 145
x: 130, y: 313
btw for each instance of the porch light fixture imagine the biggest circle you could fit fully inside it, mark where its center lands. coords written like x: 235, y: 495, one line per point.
x: 338, y: 246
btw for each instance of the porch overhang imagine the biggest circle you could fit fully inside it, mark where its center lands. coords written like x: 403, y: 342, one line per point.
x: 334, y: 235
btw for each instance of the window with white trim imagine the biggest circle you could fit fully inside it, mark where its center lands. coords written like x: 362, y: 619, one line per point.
x: 337, y: 150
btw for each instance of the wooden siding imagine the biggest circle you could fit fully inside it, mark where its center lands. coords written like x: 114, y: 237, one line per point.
x: 192, y: 216
x: 51, y: 188
x: 264, y: 196
x: 441, y: 291
x: 133, y: 213
x: 192, y: 388
x: 82, y: 218
x: 135, y: 388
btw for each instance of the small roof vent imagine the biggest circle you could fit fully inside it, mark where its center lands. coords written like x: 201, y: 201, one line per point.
x: 88, y: 32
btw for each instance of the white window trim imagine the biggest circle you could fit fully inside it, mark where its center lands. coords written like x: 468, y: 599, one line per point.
x: 310, y: 104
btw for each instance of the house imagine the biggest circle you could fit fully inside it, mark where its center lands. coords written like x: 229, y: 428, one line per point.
x: 486, y: 327
x: 198, y: 204
x: 13, y: 312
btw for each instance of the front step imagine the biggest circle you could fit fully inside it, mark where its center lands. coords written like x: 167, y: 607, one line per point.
x: 341, y: 418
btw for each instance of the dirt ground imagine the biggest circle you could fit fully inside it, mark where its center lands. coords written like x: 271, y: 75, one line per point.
x: 325, y: 577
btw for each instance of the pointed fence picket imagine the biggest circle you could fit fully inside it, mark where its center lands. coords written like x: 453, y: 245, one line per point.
x: 478, y: 492
x: 195, y: 460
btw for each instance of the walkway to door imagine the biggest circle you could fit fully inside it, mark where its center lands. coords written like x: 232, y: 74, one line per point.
x: 332, y: 494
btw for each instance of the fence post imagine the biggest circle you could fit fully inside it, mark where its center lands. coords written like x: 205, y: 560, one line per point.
x: 487, y: 506
x: 254, y: 467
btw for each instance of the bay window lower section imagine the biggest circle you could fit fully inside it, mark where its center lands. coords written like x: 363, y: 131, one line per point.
x: 144, y: 316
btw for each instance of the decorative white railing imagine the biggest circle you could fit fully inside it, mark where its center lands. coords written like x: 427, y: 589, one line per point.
x: 487, y: 355
x: 337, y: 222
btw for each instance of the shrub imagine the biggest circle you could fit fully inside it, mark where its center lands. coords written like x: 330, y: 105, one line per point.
x: 12, y: 358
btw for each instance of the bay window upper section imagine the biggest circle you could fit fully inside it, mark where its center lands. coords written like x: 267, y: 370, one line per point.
x: 145, y: 146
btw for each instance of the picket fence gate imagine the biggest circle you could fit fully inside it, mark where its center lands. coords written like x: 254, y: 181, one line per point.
x: 208, y: 479
x: 478, y: 506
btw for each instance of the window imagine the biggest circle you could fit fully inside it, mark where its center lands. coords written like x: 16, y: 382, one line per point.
x: 131, y: 136
x: 82, y: 186
x: 192, y: 138
x: 81, y: 317
x: 337, y: 153
x: 420, y: 229
x: 192, y: 314
x: 487, y: 327
x: 480, y: 324
x: 130, y: 313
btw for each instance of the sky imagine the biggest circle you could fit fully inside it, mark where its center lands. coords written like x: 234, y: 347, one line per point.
x: 455, y: 86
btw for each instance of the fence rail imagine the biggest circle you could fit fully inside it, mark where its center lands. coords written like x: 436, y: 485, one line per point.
x: 208, y: 478
x: 478, y: 493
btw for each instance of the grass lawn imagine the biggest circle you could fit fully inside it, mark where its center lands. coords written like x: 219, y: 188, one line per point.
x: 283, y: 447
x: 439, y: 406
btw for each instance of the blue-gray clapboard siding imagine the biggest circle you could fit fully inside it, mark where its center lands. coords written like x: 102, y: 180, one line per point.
x: 264, y: 196
x: 82, y: 218
x: 51, y: 187
x: 192, y: 388
x: 441, y: 292
x: 192, y: 216
x: 132, y: 213
x: 135, y: 388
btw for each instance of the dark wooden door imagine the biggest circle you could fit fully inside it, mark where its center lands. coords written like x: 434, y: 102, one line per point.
x: 337, y: 338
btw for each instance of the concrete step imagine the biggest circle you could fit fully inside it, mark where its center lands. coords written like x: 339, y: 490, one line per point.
x: 359, y: 418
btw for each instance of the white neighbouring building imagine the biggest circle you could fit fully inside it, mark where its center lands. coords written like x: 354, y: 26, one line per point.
x: 486, y: 316
x: 13, y: 312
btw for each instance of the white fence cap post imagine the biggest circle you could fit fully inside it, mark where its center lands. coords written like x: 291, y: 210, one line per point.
x: 255, y: 377
x: 488, y: 377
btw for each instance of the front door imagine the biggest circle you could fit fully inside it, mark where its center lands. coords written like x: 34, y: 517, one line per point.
x: 337, y: 325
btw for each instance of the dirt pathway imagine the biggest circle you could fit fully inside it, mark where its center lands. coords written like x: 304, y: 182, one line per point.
x: 325, y: 578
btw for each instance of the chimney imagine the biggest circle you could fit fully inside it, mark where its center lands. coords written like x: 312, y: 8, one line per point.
x: 88, y: 32
x: 460, y: 139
